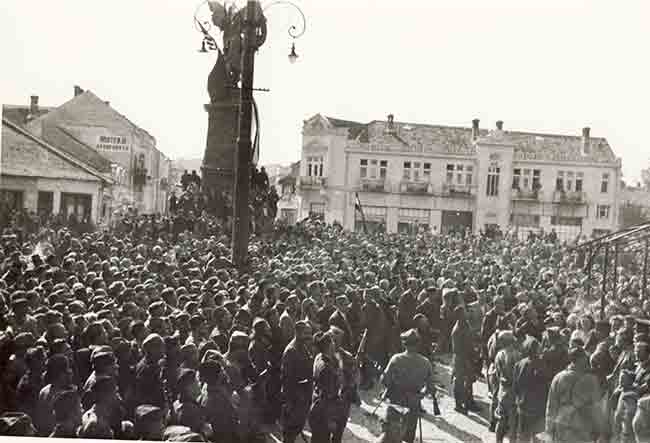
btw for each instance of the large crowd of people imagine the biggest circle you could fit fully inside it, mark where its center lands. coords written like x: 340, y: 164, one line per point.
x: 147, y: 331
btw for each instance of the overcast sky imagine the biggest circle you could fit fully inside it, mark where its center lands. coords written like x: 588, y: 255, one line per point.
x: 550, y: 66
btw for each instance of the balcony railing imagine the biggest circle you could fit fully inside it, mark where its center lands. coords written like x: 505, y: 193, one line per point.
x: 525, y: 194
x: 311, y: 181
x: 373, y: 184
x: 409, y: 187
x: 457, y: 191
x: 569, y: 197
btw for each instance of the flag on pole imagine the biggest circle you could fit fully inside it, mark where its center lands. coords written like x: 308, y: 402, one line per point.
x: 358, y: 207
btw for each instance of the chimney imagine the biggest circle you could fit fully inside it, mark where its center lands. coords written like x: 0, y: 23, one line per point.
x: 475, y: 129
x: 78, y: 90
x: 500, y: 125
x: 586, y: 141
x: 33, y: 105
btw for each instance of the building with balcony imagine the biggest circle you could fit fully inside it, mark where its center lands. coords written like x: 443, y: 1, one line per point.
x: 414, y: 176
x: 285, y: 181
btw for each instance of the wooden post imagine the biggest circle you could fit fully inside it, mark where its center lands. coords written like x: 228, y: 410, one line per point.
x: 645, y: 267
x: 615, y: 285
x: 241, y: 225
x: 602, y: 296
x: 589, y: 272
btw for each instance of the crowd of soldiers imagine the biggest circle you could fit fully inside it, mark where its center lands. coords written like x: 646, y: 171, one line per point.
x: 196, y: 205
x: 147, y: 333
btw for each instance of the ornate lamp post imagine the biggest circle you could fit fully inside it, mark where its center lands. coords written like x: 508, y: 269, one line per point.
x: 244, y: 32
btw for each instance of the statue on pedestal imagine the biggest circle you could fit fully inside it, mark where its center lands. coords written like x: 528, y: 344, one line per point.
x: 223, y: 110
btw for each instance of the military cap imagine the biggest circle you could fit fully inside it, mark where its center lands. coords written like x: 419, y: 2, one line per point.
x: 24, y: 340
x: 410, y: 337
x: 20, y: 303
x: 185, y: 376
x: 210, y: 363
x: 77, y: 307
x: 16, y: 424
x: 448, y: 291
x: 188, y: 348
x: 190, y: 306
x: 103, y: 359
x: 239, y: 336
x: 153, y: 340
x: 156, y: 305
x: 342, y: 299
x: 155, y: 322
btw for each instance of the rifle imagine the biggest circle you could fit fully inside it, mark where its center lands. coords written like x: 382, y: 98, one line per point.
x: 361, y: 349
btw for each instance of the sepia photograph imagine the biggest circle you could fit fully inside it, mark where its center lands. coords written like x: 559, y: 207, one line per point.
x: 325, y: 221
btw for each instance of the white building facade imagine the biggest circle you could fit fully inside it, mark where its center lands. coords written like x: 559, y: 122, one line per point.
x: 413, y: 176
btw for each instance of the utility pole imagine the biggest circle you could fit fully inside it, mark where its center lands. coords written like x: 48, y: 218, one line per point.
x: 253, y: 27
x: 241, y: 225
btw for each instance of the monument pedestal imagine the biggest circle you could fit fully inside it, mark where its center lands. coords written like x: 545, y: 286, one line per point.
x: 218, y: 169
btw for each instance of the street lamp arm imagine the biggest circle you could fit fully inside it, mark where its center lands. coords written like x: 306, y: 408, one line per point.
x: 293, y: 31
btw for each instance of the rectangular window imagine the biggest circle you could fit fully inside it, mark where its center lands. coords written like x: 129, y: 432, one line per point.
x: 569, y: 181
x: 559, y: 181
x: 363, y: 168
x: 604, y: 184
x: 526, y: 182
x: 45, y: 204
x: 602, y: 211
x: 426, y: 172
x: 537, y: 184
x: 450, y: 174
x: 493, y: 181
x: 407, y: 171
x: 416, y: 171
x: 315, y: 166
x: 516, y: 178
x: 459, y: 174
x: 579, y: 178
x: 78, y: 205
x: 383, y: 167
x: 11, y: 200
x: 373, y: 169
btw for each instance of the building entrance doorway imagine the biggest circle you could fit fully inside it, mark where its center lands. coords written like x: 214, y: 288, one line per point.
x: 455, y: 221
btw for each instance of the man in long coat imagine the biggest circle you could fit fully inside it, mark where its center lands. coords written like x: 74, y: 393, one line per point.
x: 462, y: 347
x: 297, y: 374
x: 573, y: 410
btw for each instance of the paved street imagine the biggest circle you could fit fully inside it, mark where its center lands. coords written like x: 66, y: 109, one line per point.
x: 448, y: 427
